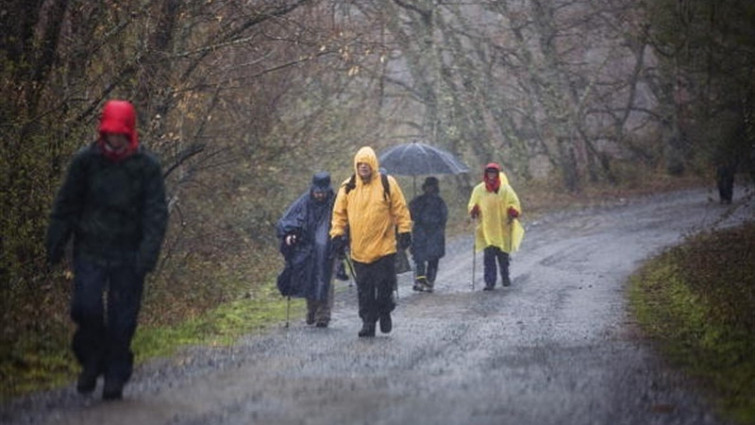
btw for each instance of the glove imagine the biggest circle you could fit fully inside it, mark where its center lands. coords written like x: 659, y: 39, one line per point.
x: 290, y: 239
x: 512, y: 212
x: 338, y: 245
x: 475, y: 213
x: 404, y: 240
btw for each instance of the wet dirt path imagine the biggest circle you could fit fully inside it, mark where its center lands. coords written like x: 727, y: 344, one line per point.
x: 557, y: 347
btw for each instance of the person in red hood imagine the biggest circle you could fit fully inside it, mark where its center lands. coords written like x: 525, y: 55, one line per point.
x: 112, y: 204
x: 498, y: 232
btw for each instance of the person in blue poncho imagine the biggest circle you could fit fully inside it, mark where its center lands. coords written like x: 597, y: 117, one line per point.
x: 305, y: 245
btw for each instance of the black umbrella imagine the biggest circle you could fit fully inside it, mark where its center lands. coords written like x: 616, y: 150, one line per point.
x: 413, y: 159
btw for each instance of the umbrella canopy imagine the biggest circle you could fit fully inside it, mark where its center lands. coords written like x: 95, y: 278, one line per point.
x: 413, y: 159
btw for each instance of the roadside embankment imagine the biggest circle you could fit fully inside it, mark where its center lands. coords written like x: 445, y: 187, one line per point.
x: 696, y: 302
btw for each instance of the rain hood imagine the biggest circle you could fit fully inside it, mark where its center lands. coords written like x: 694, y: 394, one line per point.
x: 118, y: 116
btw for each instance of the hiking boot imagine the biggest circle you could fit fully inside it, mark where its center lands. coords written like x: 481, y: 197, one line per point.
x: 427, y: 286
x: 310, y: 318
x: 113, y: 389
x: 488, y: 287
x: 422, y: 284
x: 87, y: 380
x: 368, y: 330
x: 506, y: 281
x: 386, y: 324
x: 321, y: 324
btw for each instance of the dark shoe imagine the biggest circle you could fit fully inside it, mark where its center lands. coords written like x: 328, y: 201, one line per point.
x: 368, y: 330
x: 310, y: 318
x: 386, y: 324
x: 322, y: 324
x: 341, y: 273
x: 422, y: 285
x: 113, y: 389
x: 488, y: 288
x: 506, y: 281
x: 427, y: 286
x: 87, y: 380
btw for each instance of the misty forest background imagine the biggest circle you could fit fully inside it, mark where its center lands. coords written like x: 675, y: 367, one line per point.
x: 243, y: 100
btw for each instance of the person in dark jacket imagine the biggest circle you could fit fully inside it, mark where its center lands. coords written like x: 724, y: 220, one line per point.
x: 429, y: 214
x: 113, y: 204
x: 305, y: 244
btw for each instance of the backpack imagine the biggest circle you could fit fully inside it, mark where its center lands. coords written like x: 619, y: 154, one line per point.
x: 352, y: 183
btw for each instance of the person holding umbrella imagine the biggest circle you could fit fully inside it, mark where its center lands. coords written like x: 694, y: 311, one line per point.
x: 498, y: 231
x: 371, y: 212
x: 429, y: 214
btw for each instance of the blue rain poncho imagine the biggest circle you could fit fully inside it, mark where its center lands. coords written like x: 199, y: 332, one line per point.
x: 309, y: 263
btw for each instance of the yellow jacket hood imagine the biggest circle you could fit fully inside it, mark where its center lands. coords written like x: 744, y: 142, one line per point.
x: 367, y: 155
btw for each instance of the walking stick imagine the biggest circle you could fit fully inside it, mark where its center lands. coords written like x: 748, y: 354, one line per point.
x: 474, y: 250
x: 474, y: 256
x: 288, y: 309
x: 351, y: 269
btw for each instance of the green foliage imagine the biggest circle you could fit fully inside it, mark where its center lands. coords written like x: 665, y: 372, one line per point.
x: 707, y: 52
x: 38, y: 359
x: 696, y: 301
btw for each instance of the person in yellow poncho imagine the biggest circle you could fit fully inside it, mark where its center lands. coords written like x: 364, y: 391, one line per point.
x: 498, y: 231
x: 372, y: 205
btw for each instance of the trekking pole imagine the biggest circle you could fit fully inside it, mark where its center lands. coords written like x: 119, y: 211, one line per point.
x: 474, y: 251
x: 351, y: 269
x: 474, y: 256
x: 288, y: 309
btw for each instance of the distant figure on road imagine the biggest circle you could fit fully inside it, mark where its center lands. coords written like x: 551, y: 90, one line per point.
x: 305, y: 244
x: 429, y: 215
x: 725, y: 181
x: 498, y: 232
x: 371, y: 205
x: 113, y: 204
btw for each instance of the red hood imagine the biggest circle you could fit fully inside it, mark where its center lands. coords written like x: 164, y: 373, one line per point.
x: 495, y: 183
x: 118, y: 116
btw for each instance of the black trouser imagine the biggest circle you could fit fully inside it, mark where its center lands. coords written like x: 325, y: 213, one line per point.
x: 490, y: 256
x: 428, y: 268
x: 375, y: 283
x: 725, y: 181
x: 103, y: 335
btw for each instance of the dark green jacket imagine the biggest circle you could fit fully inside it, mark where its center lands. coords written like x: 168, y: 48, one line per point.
x: 116, y: 211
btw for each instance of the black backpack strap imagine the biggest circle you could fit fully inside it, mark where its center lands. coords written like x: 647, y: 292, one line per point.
x: 352, y: 183
x: 386, y: 186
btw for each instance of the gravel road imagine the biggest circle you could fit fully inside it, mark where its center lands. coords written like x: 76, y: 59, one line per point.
x: 557, y: 347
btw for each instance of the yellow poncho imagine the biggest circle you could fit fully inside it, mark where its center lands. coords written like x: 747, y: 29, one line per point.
x: 495, y: 228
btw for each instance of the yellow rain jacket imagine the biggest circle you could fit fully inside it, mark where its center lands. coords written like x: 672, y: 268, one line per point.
x: 495, y: 228
x: 372, y: 219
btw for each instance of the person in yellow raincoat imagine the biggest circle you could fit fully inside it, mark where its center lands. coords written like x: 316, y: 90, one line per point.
x: 498, y: 231
x: 371, y: 205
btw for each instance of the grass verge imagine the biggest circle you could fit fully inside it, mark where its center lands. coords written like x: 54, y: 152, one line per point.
x: 45, y: 360
x: 696, y: 301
